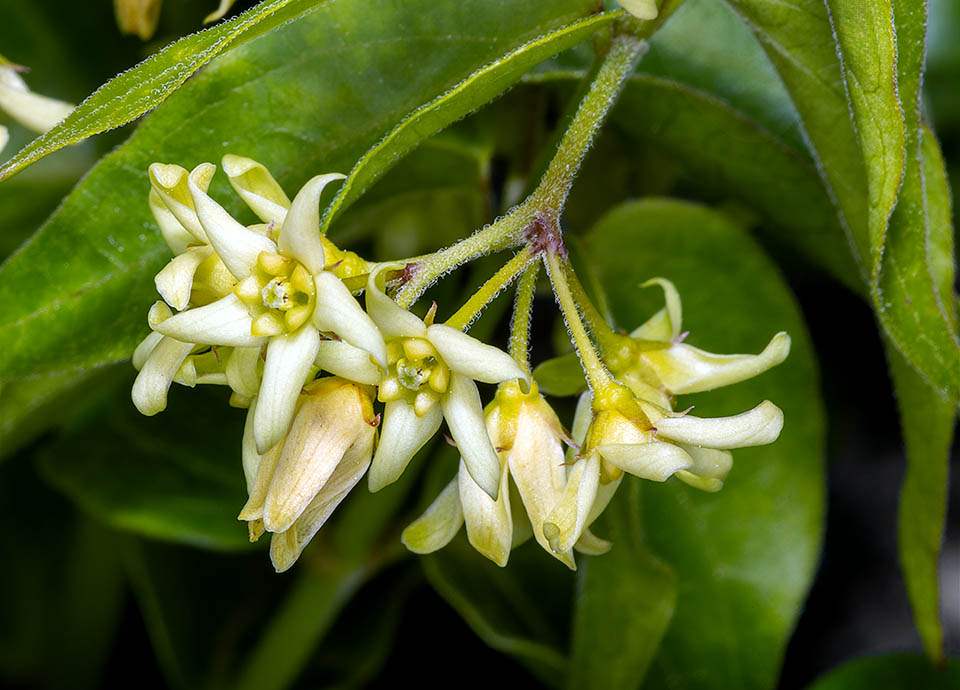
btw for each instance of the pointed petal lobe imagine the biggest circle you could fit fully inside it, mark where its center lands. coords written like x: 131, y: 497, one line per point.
x: 150, y: 388
x: 347, y: 361
x: 756, y: 427
x: 686, y: 369
x: 338, y: 312
x: 464, y: 415
x: 224, y: 322
x: 300, y: 233
x: 403, y: 434
x: 468, y: 356
x: 256, y: 186
x: 236, y: 245
x: 289, y: 358
x: 439, y: 523
x: 488, y: 521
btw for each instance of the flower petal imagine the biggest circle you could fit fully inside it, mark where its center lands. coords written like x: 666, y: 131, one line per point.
x: 325, y: 429
x: 171, y: 183
x: 253, y: 508
x: 30, y: 109
x: 286, y: 547
x: 641, y: 9
x: 236, y: 245
x: 536, y: 465
x: 756, y: 427
x: 582, y: 417
x: 686, y: 369
x: 300, y: 232
x: 4, y: 137
x: 242, y: 370
x: 224, y: 322
x: 709, y: 462
x: 144, y: 349
x: 488, y: 521
x: 177, y: 237
x: 175, y: 281
x: 248, y: 449
x: 392, y: 321
x: 568, y: 518
x: 289, y: 358
x: 468, y: 356
x: 150, y: 389
x: 403, y: 434
x: 464, y: 415
x: 656, y: 461
x: 347, y: 361
x: 338, y: 312
x: 256, y: 186
x: 592, y: 545
x: 439, y: 523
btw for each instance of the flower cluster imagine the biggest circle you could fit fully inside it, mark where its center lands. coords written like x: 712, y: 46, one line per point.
x: 271, y: 310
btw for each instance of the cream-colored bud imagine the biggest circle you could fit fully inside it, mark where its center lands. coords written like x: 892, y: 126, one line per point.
x: 305, y: 476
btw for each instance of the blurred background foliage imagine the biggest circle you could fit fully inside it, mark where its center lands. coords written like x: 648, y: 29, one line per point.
x: 123, y: 561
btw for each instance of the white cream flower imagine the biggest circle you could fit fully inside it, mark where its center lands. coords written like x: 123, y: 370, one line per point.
x: 284, y: 297
x: 297, y: 484
x: 529, y: 441
x: 431, y: 369
x: 194, y: 277
x: 632, y: 427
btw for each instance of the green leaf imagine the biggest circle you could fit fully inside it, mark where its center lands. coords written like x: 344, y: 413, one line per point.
x: 744, y: 557
x: 479, y: 88
x: 707, y: 97
x: 890, y: 672
x: 798, y: 40
x: 175, y: 477
x: 297, y: 99
x: 863, y: 149
x: 625, y: 600
x: 561, y: 376
x: 135, y: 92
x: 867, y: 49
x: 928, y: 419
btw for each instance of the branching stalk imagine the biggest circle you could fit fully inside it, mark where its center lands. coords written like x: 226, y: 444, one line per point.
x: 597, y: 375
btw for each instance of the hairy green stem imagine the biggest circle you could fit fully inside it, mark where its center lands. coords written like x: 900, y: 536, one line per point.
x: 520, y: 321
x: 597, y: 375
x: 551, y: 193
x: 595, y: 321
x: 505, y: 232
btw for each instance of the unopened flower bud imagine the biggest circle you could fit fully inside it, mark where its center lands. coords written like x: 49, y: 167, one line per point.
x: 302, y: 479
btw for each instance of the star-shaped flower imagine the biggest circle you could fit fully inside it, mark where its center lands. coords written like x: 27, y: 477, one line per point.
x: 284, y: 298
x: 529, y: 440
x: 430, y: 375
x: 631, y: 426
